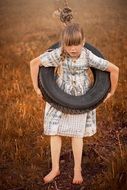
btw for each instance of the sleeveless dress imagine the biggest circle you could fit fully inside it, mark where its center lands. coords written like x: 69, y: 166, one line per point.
x: 74, y: 80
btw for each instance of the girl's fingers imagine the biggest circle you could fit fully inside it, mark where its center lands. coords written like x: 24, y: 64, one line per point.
x: 38, y: 92
x: 40, y: 96
x: 108, y: 96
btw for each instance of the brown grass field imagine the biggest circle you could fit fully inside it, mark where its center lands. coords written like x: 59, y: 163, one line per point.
x: 27, y: 29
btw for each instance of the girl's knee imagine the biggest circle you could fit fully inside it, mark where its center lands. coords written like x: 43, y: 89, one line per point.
x: 55, y: 137
x: 77, y: 138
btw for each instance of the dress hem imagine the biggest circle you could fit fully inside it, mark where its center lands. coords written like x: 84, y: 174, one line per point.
x: 69, y: 135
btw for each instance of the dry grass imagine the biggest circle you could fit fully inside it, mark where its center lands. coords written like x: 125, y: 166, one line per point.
x: 27, y: 29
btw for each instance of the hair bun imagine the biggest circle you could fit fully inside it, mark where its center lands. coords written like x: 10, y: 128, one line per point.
x: 66, y: 15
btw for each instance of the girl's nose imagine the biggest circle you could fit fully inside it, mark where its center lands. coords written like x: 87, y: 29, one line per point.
x: 73, y: 48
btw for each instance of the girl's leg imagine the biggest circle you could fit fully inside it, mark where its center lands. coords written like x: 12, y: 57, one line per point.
x: 55, y: 144
x: 77, y: 147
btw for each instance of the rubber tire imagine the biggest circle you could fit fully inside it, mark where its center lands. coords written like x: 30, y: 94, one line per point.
x: 74, y: 104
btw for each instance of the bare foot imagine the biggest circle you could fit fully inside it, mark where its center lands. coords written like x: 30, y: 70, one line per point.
x: 78, y: 179
x: 52, y: 174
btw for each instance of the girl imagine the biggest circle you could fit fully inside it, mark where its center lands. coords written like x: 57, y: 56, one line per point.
x: 72, y: 60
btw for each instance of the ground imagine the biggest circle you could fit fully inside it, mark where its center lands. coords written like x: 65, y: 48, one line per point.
x: 27, y: 29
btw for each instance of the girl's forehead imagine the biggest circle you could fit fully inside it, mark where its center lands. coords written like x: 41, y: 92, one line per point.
x: 75, y: 45
x: 72, y: 40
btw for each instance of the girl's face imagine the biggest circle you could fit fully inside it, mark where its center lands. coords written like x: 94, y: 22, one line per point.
x: 74, y: 50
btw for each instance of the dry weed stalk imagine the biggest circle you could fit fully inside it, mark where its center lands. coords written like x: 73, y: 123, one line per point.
x: 120, y: 145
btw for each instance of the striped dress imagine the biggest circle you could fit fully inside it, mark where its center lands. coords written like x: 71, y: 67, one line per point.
x: 74, y: 80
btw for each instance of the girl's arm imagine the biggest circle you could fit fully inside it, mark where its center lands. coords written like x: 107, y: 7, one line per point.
x: 104, y: 65
x: 34, y: 69
x: 47, y: 59
x: 114, y: 75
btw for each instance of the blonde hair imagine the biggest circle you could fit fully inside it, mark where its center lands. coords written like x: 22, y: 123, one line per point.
x: 72, y: 34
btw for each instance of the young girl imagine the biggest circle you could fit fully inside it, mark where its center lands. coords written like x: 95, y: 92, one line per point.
x: 72, y: 60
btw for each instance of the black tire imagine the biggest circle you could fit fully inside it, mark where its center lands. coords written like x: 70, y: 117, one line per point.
x: 74, y: 104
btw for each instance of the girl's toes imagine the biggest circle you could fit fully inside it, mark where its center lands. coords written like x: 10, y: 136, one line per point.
x: 77, y: 180
x: 49, y: 178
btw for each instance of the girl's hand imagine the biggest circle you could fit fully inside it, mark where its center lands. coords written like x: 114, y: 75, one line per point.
x: 38, y: 91
x: 108, y: 96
